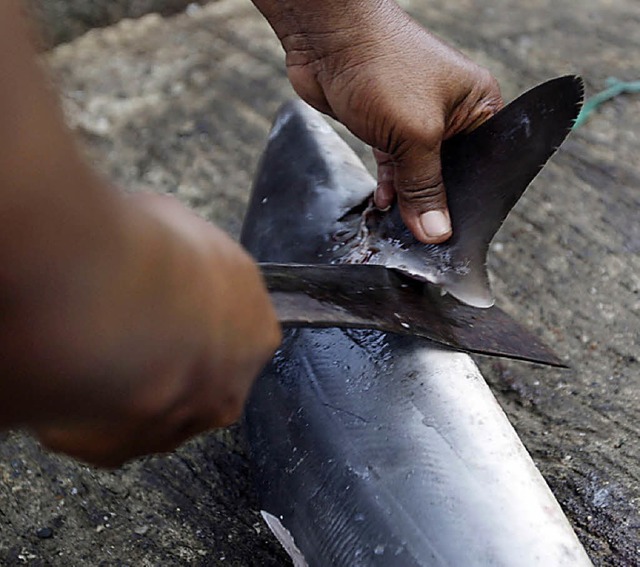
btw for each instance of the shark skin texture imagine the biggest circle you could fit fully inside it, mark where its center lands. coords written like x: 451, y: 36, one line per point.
x: 378, y: 449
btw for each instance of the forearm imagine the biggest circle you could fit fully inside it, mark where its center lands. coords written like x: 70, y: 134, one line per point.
x: 286, y: 16
x: 310, y: 28
x: 81, y: 269
x: 50, y: 201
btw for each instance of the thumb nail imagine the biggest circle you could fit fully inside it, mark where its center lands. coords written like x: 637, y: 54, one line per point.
x: 435, y: 223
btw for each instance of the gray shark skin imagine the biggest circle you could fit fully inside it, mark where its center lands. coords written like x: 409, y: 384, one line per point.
x: 375, y: 449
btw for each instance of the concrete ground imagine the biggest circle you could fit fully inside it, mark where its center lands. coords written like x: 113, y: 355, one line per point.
x: 183, y: 106
x: 64, y: 20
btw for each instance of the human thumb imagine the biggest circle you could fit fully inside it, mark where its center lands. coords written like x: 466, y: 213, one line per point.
x: 421, y: 195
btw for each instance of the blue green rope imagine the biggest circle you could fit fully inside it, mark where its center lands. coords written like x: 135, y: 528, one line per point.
x: 615, y: 88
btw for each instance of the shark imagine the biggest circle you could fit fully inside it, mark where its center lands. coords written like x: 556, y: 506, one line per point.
x: 375, y: 448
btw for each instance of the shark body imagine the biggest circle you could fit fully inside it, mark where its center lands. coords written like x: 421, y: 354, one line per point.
x: 374, y: 449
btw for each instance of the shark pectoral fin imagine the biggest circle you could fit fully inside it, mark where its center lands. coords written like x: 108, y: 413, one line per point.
x: 487, y: 171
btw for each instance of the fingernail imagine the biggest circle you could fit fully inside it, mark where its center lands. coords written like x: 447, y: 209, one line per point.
x: 435, y: 223
x: 383, y: 197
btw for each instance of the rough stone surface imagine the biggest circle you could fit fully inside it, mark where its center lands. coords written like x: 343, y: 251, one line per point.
x: 183, y: 106
x: 64, y: 20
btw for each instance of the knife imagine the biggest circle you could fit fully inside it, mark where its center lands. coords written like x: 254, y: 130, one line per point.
x: 375, y: 297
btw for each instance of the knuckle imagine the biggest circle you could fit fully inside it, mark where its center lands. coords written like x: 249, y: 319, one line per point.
x: 485, y: 99
x: 421, y: 137
x: 490, y: 85
x: 426, y: 195
x: 481, y: 99
x: 422, y: 202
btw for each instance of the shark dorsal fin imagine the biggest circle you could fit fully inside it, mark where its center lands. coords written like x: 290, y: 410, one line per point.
x: 485, y: 173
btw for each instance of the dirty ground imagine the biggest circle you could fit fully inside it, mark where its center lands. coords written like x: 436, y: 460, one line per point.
x: 182, y: 105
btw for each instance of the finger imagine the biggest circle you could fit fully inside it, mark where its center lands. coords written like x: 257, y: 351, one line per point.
x: 421, y: 195
x: 385, y: 190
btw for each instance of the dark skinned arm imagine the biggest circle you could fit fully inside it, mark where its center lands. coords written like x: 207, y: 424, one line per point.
x: 396, y: 86
x: 127, y: 324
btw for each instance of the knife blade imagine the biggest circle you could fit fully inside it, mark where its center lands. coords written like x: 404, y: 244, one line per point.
x: 375, y: 297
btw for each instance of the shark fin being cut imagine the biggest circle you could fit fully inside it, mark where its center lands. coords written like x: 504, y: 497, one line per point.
x: 485, y: 173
